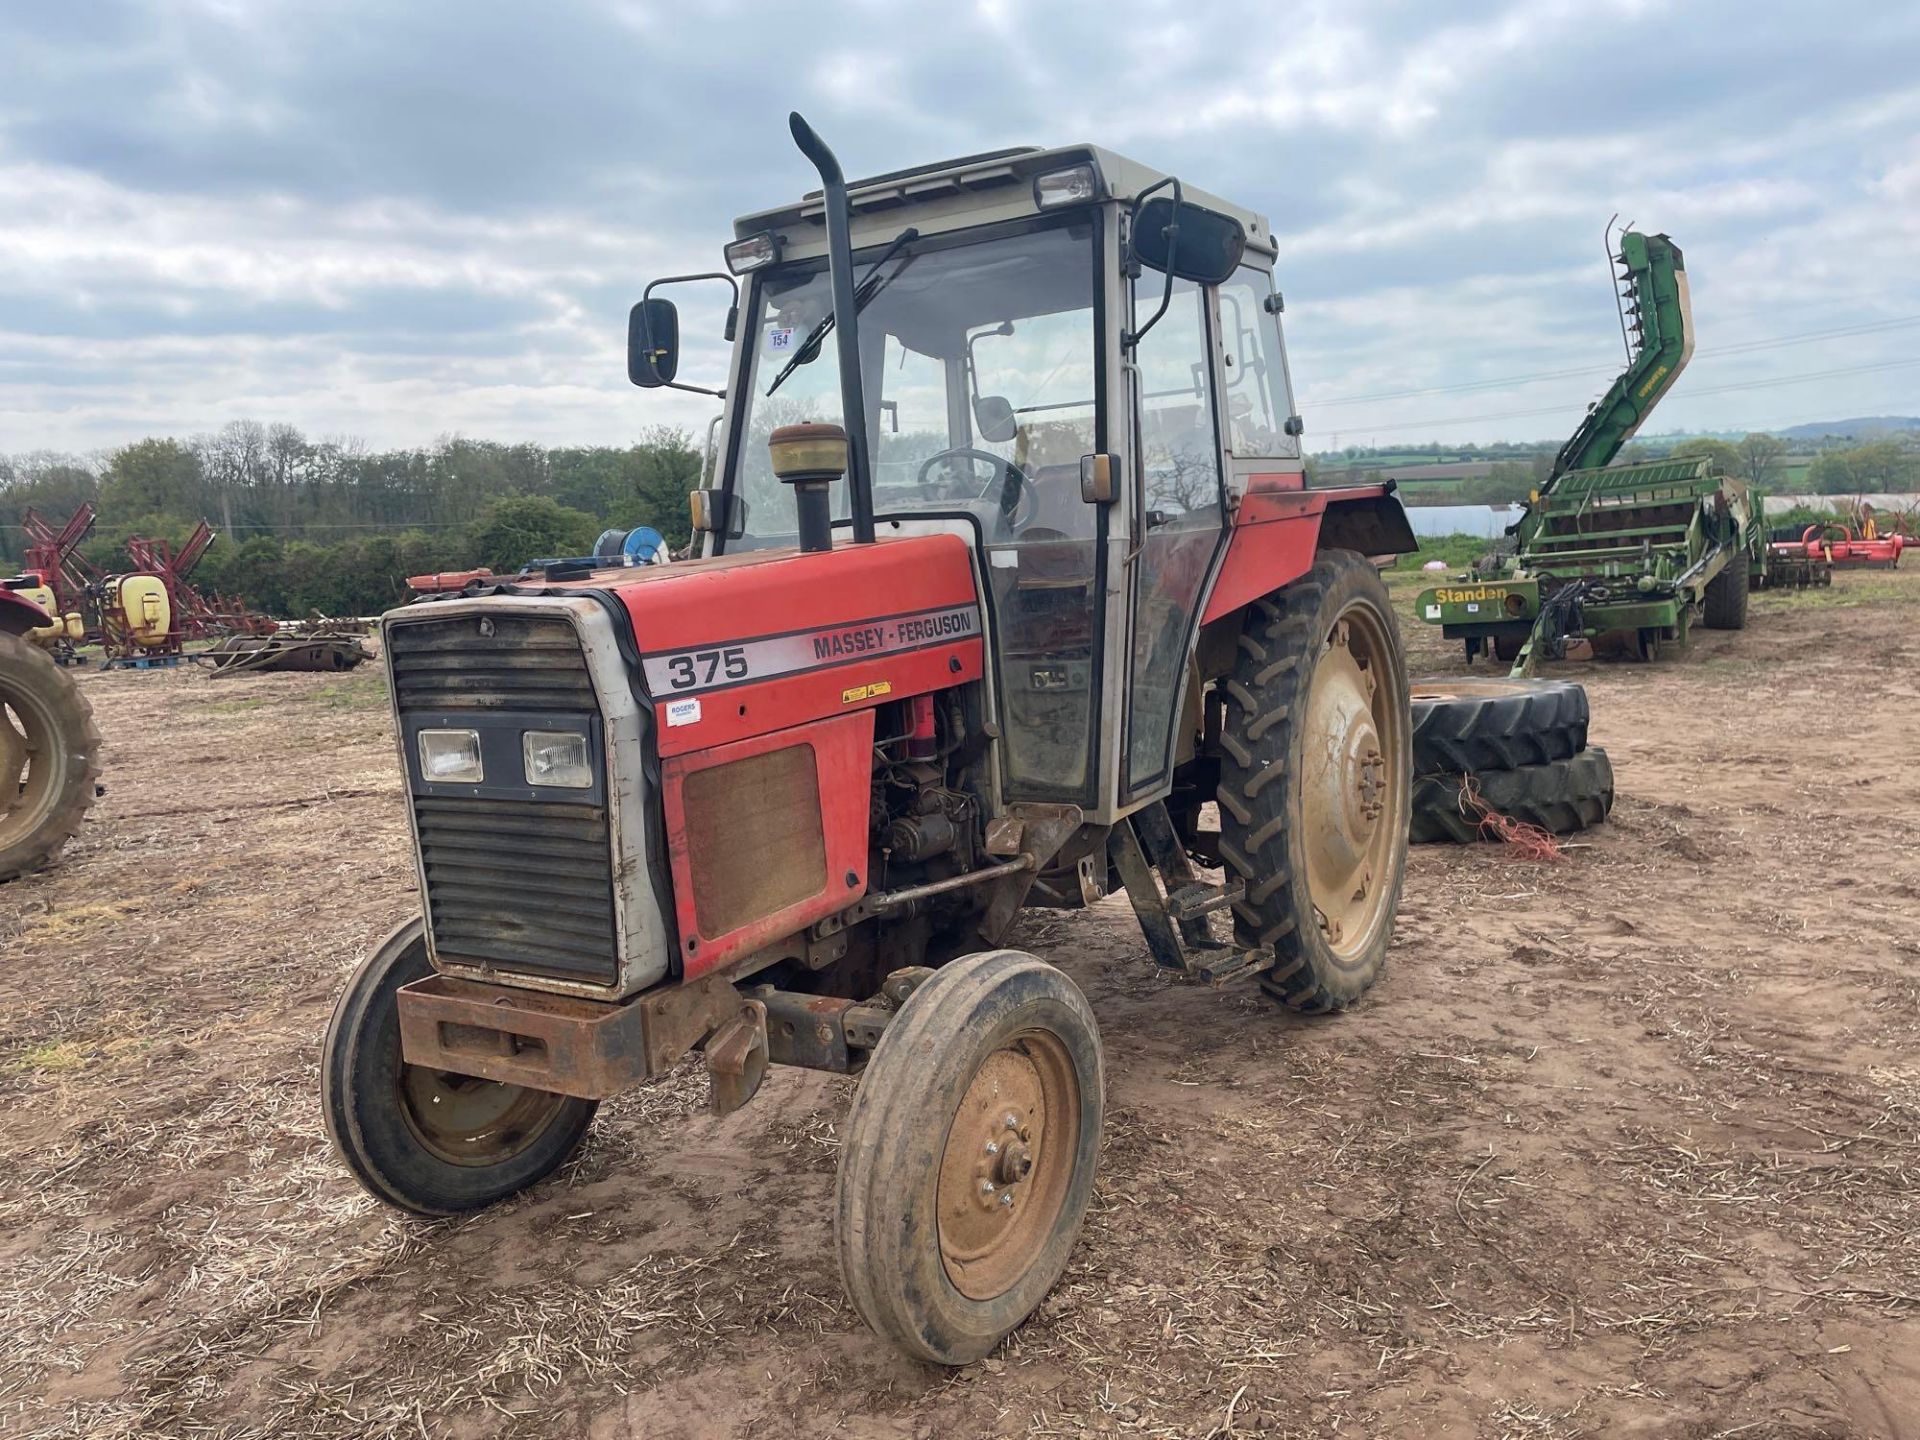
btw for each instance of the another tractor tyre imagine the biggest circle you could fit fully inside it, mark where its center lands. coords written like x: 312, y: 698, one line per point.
x: 1561, y: 797
x: 1506, y: 648
x: 970, y: 1155
x: 1468, y: 725
x: 1725, y: 605
x: 1315, y: 766
x: 422, y: 1140
x: 49, y: 757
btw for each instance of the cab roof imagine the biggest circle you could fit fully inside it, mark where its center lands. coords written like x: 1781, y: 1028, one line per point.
x: 973, y: 190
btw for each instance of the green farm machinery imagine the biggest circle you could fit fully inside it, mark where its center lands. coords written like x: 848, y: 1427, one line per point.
x: 1623, y: 556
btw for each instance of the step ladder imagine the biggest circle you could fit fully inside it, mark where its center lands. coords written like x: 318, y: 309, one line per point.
x: 1173, y: 900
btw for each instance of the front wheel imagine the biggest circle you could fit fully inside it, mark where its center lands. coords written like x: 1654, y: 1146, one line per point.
x: 1314, y: 782
x: 970, y: 1156
x: 423, y: 1140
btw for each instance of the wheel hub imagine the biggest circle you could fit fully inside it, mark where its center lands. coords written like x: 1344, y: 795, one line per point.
x: 1349, y: 793
x: 31, y: 756
x: 468, y: 1121
x: 13, y: 759
x: 1009, y: 1155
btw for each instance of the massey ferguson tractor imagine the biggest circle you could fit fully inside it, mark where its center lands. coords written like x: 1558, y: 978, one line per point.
x: 1008, y: 581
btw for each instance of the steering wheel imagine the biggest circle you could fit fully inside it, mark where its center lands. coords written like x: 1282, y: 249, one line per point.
x: 1014, y: 485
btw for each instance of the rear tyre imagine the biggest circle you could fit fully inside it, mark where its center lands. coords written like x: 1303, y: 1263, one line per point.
x: 1461, y: 724
x: 422, y: 1140
x: 1506, y: 648
x: 970, y: 1156
x: 1561, y: 797
x: 1725, y: 603
x: 49, y: 757
x: 1314, y: 772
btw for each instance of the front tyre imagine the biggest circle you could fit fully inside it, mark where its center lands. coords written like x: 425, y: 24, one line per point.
x: 424, y: 1140
x: 1314, y: 781
x: 970, y: 1156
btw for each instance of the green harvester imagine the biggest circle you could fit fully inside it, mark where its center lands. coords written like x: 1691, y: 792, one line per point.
x: 1624, y: 556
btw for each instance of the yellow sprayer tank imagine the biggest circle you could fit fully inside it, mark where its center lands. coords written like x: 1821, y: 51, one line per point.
x: 64, y: 627
x: 141, y: 606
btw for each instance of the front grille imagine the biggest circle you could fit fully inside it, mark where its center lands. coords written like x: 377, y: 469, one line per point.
x: 513, y: 885
x: 517, y: 885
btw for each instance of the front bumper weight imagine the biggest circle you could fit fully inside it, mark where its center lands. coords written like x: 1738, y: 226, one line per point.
x: 591, y: 1049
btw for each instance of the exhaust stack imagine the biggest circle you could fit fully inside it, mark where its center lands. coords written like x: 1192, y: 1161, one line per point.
x: 846, y: 332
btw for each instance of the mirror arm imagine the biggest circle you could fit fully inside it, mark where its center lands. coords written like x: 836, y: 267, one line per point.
x: 732, y: 284
x: 1132, y: 338
x: 733, y: 313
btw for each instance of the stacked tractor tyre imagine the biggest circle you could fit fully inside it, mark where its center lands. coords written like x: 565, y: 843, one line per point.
x: 1519, y: 746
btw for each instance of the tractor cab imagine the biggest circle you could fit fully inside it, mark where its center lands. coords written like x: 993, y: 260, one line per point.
x: 1070, y: 360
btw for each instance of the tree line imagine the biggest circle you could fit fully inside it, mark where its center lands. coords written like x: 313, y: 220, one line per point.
x: 333, y: 527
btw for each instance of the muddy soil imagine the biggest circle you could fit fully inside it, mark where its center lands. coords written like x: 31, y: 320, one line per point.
x: 1621, y: 1145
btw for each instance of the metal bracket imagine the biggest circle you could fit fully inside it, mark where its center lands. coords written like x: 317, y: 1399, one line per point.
x: 737, y: 1058
x: 1043, y: 830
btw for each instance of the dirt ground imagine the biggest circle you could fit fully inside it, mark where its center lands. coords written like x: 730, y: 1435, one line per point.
x: 1623, y: 1145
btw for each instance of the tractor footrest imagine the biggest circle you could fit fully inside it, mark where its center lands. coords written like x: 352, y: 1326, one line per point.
x: 1189, y: 902
x: 1217, y: 964
x: 1147, y: 852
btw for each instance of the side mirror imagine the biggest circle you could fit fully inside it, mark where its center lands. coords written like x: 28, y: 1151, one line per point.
x: 1096, y: 479
x: 1195, y: 244
x: 993, y: 414
x: 653, y: 343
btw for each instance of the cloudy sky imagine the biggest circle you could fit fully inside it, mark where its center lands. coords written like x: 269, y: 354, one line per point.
x: 403, y: 220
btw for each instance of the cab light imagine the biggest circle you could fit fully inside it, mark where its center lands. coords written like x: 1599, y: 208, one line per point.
x: 556, y: 757
x: 756, y: 252
x: 451, y: 757
x: 1065, y: 187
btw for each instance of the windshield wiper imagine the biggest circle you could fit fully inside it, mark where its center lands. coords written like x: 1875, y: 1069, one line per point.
x: 871, y: 284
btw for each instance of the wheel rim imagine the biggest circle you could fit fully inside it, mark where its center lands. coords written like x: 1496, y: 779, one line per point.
x: 464, y: 1120
x: 33, y: 757
x: 1353, y: 794
x: 1009, y: 1158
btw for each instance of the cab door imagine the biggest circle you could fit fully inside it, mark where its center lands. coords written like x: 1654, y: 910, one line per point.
x: 1177, y: 459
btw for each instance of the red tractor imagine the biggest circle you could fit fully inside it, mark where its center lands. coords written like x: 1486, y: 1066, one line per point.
x: 1010, y: 580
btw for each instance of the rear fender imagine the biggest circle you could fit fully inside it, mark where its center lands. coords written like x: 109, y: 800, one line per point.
x: 18, y: 614
x: 1277, y: 534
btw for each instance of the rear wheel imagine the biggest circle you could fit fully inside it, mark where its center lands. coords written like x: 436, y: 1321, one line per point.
x: 425, y: 1140
x: 1314, y: 768
x: 1725, y: 603
x: 49, y: 757
x: 970, y: 1156
x: 1506, y: 648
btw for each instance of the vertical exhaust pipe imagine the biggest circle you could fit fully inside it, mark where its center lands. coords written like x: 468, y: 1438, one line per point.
x: 846, y: 324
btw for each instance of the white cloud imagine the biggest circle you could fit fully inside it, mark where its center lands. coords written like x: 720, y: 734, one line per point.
x: 406, y: 221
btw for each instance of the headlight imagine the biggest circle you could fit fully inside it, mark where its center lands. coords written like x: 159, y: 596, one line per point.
x: 451, y: 757
x: 756, y: 252
x: 556, y: 757
x: 1066, y: 187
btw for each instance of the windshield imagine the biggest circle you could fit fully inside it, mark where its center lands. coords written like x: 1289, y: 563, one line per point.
x: 978, y: 362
